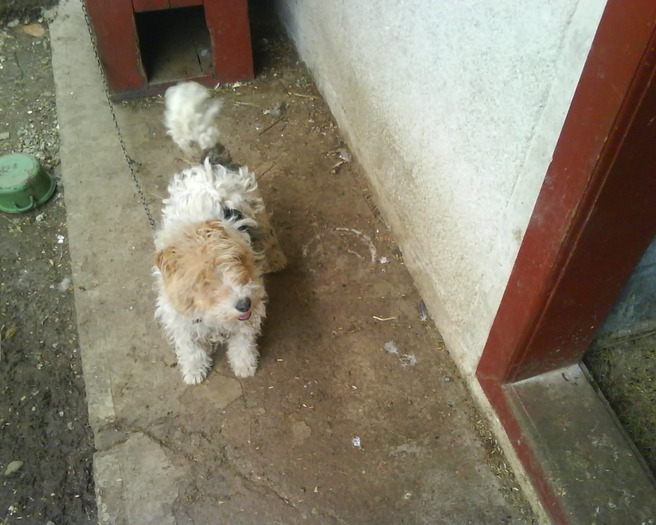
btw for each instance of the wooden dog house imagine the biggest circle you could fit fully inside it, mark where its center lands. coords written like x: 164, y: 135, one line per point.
x: 147, y: 45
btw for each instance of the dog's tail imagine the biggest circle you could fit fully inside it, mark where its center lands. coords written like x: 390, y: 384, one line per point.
x: 190, y: 117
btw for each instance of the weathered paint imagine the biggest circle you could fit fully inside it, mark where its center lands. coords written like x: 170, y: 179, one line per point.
x: 118, y: 42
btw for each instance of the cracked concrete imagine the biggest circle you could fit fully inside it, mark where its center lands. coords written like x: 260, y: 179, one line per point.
x: 333, y: 428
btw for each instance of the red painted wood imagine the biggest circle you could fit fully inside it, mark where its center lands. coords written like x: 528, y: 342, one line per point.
x: 613, y: 238
x: 118, y: 47
x: 149, y: 5
x: 566, y: 278
x: 498, y: 395
x: 116, y: 36
x: 227, y: 21
x: 593, y: 219
x: 187, y: 3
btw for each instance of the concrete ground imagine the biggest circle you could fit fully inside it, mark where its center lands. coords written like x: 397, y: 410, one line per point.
x: 356, y: 414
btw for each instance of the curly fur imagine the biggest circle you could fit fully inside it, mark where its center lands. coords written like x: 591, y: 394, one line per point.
x: 190, y: 116
x: 211, y: 248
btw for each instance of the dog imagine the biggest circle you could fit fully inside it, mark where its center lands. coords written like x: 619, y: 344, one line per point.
x: 213, y: 247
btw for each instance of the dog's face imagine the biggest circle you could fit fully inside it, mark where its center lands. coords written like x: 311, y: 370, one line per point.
x: 208, y: 271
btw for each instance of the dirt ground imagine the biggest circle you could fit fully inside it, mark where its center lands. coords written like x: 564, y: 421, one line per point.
x: 45, y: 440
x: 46, y: 444
x: 356, y: 410
x: 625, y: 370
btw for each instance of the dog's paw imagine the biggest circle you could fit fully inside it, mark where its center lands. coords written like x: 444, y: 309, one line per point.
x: 244, y: 368
x: 194, y: 376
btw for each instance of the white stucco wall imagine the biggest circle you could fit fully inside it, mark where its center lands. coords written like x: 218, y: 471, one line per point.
x: 453, y: 108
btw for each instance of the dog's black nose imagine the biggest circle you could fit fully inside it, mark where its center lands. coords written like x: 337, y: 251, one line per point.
x: 243, y: 305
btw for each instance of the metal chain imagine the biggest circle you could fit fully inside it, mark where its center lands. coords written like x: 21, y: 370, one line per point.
x: 128, y: 160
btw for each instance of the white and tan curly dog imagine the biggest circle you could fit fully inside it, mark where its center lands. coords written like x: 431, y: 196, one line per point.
x: 213, y: 247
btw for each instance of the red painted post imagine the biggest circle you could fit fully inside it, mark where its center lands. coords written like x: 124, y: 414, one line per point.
x: 565, y: 280
x: 227, y: 21
x: 118, y: 48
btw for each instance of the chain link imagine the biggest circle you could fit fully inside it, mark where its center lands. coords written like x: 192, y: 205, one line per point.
x: 128, y: 160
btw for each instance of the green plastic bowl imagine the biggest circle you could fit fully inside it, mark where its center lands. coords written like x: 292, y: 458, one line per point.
x: 24, y: 184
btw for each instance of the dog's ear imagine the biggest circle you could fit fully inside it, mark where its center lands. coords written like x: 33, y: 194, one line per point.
x: 211, y: 229
x: 189, y: 283
x: 166, y: 260
x: 183, y: 294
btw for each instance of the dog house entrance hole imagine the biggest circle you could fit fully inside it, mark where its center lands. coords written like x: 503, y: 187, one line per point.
x: 174, y: 44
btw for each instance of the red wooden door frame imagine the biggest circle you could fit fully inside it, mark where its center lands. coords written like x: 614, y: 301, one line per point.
x: 593, y: 220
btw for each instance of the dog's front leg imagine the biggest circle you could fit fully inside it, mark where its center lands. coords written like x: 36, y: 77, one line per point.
x: 243, y: 354
x: 193, y: 360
